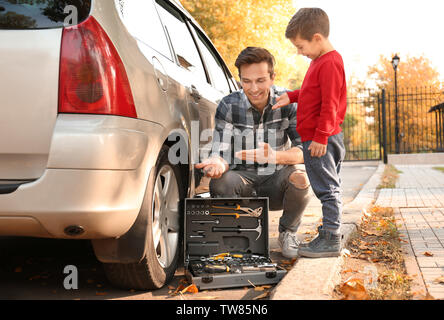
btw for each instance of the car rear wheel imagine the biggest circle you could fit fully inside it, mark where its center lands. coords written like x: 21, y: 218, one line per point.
x: 163, y: 202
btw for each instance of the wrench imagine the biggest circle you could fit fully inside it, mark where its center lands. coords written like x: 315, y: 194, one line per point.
x: 255, y: 213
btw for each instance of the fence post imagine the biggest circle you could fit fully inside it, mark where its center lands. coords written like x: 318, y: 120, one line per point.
x: 384, y: 128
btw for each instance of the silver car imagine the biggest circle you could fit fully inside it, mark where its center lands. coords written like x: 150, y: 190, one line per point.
x: 95, y: 96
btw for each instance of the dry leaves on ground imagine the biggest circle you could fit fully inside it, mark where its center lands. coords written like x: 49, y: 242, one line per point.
x: 353, y: 289
x: 439, y: 280
x: 183, y: 287
x: 262, y: 296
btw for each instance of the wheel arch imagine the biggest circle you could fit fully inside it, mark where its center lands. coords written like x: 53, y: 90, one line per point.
x: 131, y: 247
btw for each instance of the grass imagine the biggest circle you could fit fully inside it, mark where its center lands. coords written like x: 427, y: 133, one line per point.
x: 439, y: 169
x: 389, y: 177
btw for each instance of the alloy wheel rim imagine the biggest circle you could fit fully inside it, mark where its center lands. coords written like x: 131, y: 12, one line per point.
x: 165, y: 224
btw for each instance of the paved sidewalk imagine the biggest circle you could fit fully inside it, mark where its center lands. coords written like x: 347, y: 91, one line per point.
x: 418, y: 200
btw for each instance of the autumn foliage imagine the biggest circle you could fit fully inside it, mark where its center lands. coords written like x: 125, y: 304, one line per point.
x: 234, y: 25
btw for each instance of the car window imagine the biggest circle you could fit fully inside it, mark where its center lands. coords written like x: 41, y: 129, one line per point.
x: 218, y: 75
x: 143, y: 22
x: 182, y: 41
x: 42, y: 14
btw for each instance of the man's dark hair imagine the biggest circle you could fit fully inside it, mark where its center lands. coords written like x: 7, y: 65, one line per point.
x: 306, y: 22
x: 252, y: 55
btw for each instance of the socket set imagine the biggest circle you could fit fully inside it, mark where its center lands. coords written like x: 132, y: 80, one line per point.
x: 226, y: 243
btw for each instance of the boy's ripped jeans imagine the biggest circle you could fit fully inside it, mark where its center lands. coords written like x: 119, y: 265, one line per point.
x: 287, y: 190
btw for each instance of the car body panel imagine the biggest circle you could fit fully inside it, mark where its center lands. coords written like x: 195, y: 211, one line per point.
x: 92, y: 170
x: 29, y: 99
x: 105, y: 202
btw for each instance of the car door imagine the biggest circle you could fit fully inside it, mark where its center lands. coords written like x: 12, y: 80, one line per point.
x: 190, y: 72
x: 221, y: 81
x: 151, y: 94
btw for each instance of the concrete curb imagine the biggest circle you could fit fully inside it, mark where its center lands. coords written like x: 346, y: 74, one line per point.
x: 315, y: 279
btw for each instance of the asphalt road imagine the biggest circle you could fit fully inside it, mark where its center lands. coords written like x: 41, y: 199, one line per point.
x: 34, y: 268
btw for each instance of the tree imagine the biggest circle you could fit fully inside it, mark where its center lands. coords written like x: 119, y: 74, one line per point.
x: 419, y: 89
x: 413, y: 72
x: 233, y: 25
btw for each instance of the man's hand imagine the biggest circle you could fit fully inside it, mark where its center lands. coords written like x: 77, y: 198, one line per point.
x: 281, y: 101
x: 213, y: 168
x: 317, y: 149
x: 265, y: 154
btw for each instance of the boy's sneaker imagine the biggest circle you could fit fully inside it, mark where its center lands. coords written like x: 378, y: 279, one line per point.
x: 289, y: 244
x: 326, y: 244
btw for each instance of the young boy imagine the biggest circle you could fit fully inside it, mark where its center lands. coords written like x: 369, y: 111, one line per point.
x: 321, y: 110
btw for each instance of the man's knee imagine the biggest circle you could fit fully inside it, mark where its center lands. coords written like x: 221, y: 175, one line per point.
x: 299, y: 179
x: 227, y: 185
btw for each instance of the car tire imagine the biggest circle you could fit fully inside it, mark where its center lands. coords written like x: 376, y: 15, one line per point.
x: 163, y: 200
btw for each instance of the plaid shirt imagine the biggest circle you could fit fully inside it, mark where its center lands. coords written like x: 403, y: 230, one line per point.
x: 239, y: 126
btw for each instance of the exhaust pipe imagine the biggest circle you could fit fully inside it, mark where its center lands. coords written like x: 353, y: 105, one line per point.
x: 74, y: 231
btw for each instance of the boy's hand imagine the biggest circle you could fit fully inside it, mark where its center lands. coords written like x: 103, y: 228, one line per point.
x: 281, y: 101
x: 317, y: 150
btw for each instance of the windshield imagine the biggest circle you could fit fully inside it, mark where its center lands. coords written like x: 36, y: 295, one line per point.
x: 42, y: 14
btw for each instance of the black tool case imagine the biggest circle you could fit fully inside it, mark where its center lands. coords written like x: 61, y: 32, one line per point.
x: 219, y: 255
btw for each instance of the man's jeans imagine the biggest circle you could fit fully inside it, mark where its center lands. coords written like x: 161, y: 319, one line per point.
x: 325, y: 180
x: 287, y: 189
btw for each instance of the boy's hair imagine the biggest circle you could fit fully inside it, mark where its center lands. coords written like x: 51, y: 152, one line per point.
x: 252, y: 55
x: 306, y: 22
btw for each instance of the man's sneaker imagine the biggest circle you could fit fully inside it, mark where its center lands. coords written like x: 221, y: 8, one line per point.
x: 326, y: 244
x: 289, y: 244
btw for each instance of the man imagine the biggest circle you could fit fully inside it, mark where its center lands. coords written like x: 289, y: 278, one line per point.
x: 251, y: 155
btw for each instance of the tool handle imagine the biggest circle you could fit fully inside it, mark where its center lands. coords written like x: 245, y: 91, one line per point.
x: 216, y: 268
x: 216, y: 229
x: 225, y: 214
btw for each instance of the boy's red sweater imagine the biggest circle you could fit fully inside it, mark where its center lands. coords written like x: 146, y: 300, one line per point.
x: 322, y: 99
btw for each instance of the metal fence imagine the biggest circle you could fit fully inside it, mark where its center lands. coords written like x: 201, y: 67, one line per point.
x: 411, y: 128
x: 381, y: 123
x: 362, y: 126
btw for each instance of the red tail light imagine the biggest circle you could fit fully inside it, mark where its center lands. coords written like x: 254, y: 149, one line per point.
x: 92, y: 75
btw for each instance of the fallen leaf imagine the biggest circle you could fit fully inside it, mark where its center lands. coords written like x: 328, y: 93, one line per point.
x: 171, y: 287
x: 259, y: 289
x: 346, y: 253
x: 101, y: 293
x: 191, y: 289
x: 354, y: 289
x: 366, y: 213
x: 439, y: 280
x: 18, y: 269
x: 348, y: 270
x: 288, y: 262
x: 179, y: 289
x: 428, y: 254
x: 262, y: 296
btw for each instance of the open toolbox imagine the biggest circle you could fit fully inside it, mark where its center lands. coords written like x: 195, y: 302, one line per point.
x: 226, y: 243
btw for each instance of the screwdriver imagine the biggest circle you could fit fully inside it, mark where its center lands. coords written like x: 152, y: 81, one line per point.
x: 216, y: 269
